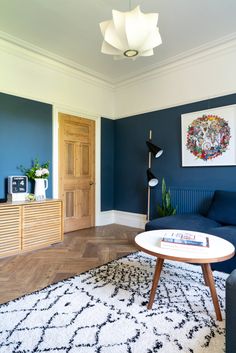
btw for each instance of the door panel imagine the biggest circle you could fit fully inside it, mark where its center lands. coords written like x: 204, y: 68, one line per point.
x: 69, y: 158
x: 69, y: 204
x: 77, y: 170
x: 85, y: 160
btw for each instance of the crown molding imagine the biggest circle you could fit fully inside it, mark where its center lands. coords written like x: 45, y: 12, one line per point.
x: 36, y: 54
x: 202, y: 53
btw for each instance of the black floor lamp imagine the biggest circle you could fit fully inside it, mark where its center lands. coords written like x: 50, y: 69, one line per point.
x: 156, y: 152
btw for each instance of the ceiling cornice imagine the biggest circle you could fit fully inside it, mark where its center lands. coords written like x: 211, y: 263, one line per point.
x: 55, y: 58
x: 200, y: 53
x: 35, y: 53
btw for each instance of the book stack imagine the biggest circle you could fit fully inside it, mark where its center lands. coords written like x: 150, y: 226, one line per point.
x: 185, y: 241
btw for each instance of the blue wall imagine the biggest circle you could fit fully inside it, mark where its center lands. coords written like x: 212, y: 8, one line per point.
x: 131, y: 157
x: 107, y: 164
x: 25, y: 133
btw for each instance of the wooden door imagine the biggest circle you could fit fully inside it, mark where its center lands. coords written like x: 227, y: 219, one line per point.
x: 77, y: 171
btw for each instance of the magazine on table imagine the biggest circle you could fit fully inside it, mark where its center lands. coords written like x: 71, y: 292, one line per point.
x: 185, y: 240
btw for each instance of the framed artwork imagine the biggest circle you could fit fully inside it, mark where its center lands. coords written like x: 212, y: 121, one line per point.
x: 208, y: 137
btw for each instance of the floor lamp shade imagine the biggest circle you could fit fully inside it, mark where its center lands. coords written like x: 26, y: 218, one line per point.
x: 152, y: 180
x: 155, y: 150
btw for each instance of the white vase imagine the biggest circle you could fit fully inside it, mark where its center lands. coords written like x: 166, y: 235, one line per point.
x: 40, y: 187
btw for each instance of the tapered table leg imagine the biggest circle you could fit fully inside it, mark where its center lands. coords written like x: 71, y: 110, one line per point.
x: 205, y: 276
x: 155, y: 281
x: 211, y: 283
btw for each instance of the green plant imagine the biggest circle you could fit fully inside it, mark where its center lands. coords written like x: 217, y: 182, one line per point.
x: 37, y: 170
x: 166, y: 209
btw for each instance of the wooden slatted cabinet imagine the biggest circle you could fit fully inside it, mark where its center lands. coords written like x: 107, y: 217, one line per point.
x: 10, y: 230
x: 42, y: 224
x: 30, y: 225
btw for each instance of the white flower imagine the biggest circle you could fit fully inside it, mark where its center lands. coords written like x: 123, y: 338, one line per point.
x: 38, y: 172
x: 45, y: 171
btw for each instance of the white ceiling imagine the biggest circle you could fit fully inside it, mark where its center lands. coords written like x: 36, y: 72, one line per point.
x: 70, y: 29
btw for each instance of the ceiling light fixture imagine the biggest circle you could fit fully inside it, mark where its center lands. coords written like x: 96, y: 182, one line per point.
x: 130, y: 34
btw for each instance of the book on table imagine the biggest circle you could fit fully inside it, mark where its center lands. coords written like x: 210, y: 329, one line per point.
x: 185, y: 241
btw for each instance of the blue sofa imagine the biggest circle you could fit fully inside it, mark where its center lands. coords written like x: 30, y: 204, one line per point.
x: 231, y: 313
x: 220, y: 220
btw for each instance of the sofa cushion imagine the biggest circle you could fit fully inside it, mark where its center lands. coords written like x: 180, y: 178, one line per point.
x: 183, y: 221
x: 225, y: 232
x: 223, y: 207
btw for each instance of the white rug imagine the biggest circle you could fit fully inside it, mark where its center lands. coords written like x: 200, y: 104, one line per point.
x: 104, y: 311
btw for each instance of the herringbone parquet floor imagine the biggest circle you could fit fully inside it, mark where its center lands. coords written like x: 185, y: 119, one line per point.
x: 80, y: 251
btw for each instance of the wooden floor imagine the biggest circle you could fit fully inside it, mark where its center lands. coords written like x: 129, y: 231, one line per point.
x: 80, y: 251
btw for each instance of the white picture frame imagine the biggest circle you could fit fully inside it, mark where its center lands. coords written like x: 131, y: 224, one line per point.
x: 208, y: 137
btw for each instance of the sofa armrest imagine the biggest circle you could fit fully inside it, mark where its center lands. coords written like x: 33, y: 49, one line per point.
x: 231, y: 313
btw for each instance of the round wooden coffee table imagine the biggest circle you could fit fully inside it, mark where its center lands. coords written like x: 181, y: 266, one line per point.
x: 219, y: 250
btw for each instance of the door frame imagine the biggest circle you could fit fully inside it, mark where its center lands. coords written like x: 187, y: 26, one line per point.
x: 55, y: 177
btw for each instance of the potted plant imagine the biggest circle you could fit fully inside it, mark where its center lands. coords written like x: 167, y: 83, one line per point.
x: 166, y: 209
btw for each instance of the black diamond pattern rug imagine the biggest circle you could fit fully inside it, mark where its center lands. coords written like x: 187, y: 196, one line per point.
x: 105, y: 311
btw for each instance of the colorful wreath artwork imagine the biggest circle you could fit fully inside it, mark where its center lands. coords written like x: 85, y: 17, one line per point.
x: 208, y: 137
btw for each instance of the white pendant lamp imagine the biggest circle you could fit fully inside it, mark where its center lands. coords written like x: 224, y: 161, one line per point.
x: 130, y: 34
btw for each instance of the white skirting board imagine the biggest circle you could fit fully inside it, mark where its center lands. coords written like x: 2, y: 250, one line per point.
x: 126, y: 218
